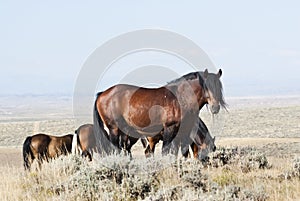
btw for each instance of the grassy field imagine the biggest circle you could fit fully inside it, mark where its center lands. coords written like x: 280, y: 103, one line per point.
x: 258, y: 158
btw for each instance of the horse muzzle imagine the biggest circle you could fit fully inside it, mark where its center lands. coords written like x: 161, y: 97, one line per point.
x: 215, y: 109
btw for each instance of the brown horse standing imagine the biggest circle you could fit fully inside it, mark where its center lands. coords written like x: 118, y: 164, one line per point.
x: 202, y: 144
x: 85, y: 140
x: 44, y: 147
x: 173, y: 109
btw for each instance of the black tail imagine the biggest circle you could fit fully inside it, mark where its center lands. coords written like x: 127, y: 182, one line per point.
x: 27, y: 153
x: 104, y: 146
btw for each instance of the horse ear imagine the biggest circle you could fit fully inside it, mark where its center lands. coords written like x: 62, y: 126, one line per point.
x: 205, y: 74
x: 220, y: 73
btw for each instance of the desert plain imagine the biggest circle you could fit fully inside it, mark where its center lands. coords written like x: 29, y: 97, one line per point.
x: 270, y: 125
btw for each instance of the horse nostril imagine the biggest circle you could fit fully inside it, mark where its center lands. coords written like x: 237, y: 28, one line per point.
x: 214, y: 149
x: 205, y: 159
x: 215, y: 109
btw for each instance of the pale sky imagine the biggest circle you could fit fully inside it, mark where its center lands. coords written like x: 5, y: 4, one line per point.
x: 43, y: 45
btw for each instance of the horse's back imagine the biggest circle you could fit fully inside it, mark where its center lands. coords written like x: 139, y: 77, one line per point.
x: 120, y: 91
x: 84, y: 128
x: 60, y: 145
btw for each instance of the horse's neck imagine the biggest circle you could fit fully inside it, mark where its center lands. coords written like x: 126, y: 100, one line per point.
x: 187, y: 93
x: 199, y: 93
x: 173, y: 88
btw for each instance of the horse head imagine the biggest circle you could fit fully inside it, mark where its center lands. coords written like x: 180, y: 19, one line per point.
x: 204, y: 140
x: 213, y: 91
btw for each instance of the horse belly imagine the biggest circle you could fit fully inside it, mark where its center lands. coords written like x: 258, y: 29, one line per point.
x: 54, y: 150
x: 147, y: 119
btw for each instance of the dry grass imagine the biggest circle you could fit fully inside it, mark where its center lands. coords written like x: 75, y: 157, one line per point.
x: 238, y: 175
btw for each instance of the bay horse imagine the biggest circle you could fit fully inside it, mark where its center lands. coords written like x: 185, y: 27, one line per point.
x: 137, y: 111
x: 84, y: 141
x: 43, y: 147
x: 202, y: 142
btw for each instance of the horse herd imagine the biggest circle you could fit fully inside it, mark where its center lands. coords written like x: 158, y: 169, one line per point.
x: 123, y: 114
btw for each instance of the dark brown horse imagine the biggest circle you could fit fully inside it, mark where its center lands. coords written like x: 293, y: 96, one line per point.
x: 85, y: 141
x: 202, y: 142
x: 173, y: 109
x: 44, y: 147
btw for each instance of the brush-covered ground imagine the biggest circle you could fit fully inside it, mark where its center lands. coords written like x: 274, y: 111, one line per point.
x: 258, y: 158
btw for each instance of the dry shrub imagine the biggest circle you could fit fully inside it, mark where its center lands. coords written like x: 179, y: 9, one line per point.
x: 253, y: 161
x: 160, y: 178
x: 248, y: 158
x: 257, y: 194
x: 296, y: 166
x: 293, y: 172
x: 223, y: 156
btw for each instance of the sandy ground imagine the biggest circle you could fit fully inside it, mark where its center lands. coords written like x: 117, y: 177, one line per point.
x: 270, y: 124
x: 11, y: 156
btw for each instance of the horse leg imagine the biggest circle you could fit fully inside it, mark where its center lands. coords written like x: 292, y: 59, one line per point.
x: 144, y: 142
x: 175, y: 146
x: 168, y: 136
x: 86, y: 154
x: 130, y: 143
x: 124, y: 141
x: 40, y: 159
x: 186, y: 152
x: 149, y: 151
x: 114, y: 138
x: 195, y: 150
x: 152, y: 143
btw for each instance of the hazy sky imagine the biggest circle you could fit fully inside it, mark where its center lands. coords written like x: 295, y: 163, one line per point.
x: 44, y: 45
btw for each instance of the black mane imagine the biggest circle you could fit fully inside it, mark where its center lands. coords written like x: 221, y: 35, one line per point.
x: 189, y: 76
x: 212, y: 83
